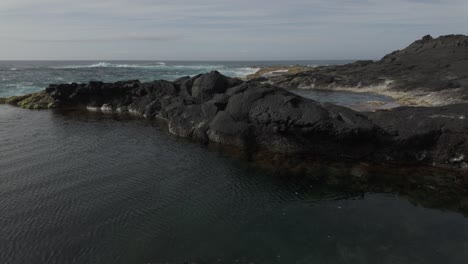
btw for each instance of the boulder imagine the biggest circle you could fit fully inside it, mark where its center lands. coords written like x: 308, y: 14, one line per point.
x: 207, y: 85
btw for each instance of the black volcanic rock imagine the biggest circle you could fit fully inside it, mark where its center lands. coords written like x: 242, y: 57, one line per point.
x: 259, y: 117
x: 209, y: 84
x: 430, y: 65
x: 429, y: 134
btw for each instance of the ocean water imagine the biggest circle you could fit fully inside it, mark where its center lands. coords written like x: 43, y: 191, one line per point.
x: 22, y: 77
x: 92, y: 188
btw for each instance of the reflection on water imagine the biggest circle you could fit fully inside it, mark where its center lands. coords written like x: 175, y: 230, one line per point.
x: 94, y: 189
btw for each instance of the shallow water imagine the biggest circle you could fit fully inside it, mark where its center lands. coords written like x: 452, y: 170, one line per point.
x: 99, y: 189
x: 354, y: 100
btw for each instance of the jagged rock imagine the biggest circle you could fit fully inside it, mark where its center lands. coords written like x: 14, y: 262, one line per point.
x: 430, y: 134
x: 205, y: 86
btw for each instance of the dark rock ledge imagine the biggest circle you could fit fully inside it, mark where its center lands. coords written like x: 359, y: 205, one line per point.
x: 260, y: 118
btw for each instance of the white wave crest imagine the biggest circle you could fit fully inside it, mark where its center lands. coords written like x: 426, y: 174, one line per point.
x: 239, y: 72
x: 177, y: 69
x: 113, y: 65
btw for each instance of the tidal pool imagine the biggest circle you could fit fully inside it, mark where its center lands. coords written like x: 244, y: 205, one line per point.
x: 99, y: 189
x: 358, y: 101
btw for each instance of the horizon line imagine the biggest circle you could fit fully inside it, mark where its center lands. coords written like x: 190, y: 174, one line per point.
x: 152, y: 60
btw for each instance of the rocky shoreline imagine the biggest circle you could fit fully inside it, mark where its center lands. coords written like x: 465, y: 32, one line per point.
x: 429, y: 72
x: 259, y: 116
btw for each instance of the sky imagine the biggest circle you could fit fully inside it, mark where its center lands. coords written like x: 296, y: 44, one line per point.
x: 220, y: 29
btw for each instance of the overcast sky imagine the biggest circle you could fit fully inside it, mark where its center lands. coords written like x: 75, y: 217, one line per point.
x: 220, y: 29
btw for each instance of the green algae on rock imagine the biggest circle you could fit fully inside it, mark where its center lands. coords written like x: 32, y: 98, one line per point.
x: 37, y: 101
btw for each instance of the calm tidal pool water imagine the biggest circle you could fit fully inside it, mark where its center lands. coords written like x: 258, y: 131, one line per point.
x: 99, y: 189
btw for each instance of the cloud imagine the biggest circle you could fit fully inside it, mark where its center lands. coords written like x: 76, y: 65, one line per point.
x: 123, y: 38
x: 220, y: 28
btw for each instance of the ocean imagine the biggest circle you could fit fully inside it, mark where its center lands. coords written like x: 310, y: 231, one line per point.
x: 22, y: 77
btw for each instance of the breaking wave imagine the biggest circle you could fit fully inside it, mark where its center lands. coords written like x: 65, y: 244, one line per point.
x: 175, y: 69
x: 112, y: 65
x: 239, y: 72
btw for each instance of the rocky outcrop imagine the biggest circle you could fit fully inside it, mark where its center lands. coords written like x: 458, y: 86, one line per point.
x: 262, y: 118
x: 433, y: 135
x: 431, y: 71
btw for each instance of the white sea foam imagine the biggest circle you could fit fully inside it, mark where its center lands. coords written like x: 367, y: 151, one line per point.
x: 112, y: 65
x: 20, y: 84
x: 178, y: 69
x: 458, y: 158
x: 239, y: 72
x: 197, y: 67
x: 416, y: 97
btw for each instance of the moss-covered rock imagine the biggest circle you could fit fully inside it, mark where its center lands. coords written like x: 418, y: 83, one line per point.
x: 40, y: 100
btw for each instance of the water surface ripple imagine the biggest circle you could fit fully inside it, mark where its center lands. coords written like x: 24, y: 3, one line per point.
x: 102, y: 190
